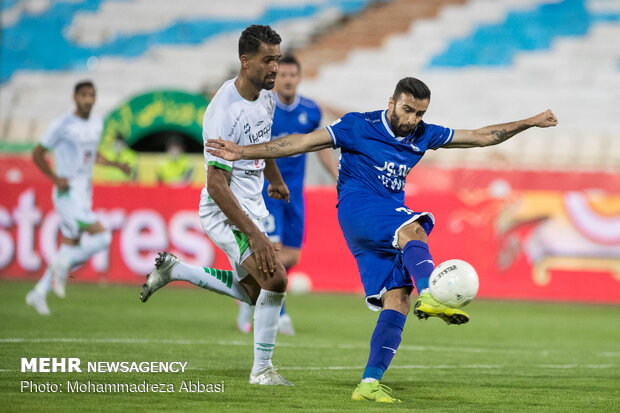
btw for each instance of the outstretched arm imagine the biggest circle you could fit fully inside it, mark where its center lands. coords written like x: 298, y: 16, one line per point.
x: 495, y: 134
x: 102, y: 160
x: 279, y: 148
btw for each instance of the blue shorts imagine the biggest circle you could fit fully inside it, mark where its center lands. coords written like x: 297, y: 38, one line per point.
x: 286, y: 220
x: 370, y: 225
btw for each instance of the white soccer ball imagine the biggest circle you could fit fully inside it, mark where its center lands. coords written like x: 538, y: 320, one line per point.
x: 454, y: 283
x: 299, y: 283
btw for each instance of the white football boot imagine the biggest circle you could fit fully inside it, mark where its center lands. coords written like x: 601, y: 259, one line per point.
x: 160, y: 276
x: 38, y: 302
x: 285, y: 325
x: 269, y: 377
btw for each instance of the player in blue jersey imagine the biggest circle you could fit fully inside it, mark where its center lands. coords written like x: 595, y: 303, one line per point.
x: 389, y: 240
x: 285, y: 224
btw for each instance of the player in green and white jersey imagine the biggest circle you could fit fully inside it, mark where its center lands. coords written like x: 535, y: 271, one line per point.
x: 232, y: 206
x: 73, y: 138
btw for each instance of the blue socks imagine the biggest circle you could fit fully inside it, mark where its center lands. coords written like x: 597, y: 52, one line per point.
x: 419, y: 262
x: 387, y: 335
x: 384, y: 343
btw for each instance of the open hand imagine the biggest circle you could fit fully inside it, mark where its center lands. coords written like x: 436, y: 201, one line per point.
x: 223, y: 149
x: 264, y: 253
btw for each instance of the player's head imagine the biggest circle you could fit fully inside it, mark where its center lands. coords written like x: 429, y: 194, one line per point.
x: 259, y: 52
x: 84, y: 98
x: 407, y: 105
x: 175, y: 147
x: 289, y: 75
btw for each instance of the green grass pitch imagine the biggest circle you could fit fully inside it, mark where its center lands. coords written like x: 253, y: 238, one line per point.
x: 512, y: 356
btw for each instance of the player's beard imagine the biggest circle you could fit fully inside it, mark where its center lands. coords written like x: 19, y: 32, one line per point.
x: 269, y: 83
x: 264, y: 83
x: 398, y: 128
x: 84, y: 110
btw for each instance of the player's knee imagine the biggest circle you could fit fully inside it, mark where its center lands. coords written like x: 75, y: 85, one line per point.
x: 289, y: 257
x: 278, y: 282
x: 291, y: 263
x: 404, y: 304
x: 411, y: 232
x: 397, y: 300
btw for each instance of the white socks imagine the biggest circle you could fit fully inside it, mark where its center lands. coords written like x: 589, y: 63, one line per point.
x: 218, y: 281
x: 64, y: 256
x: 266, y: 316
x: 89, y: 246
x: 73, y: 256
x: 45, y: 283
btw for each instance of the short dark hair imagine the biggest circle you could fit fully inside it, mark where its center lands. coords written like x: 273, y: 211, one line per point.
x: 289, y: 59
x: 252, y: 37
x: 81, y: 84
x: 412, y: 86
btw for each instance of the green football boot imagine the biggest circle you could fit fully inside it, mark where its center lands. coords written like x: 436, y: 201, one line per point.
x: 374, y: 392
x: 427, y: 306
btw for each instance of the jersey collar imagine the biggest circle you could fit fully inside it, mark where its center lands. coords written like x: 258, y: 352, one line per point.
x: 287, y: 108
x: 244, y: 100
x: 386, y: 125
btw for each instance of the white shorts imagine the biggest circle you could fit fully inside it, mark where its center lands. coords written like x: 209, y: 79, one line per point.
x: 228, y: 238
x: 75, y: 213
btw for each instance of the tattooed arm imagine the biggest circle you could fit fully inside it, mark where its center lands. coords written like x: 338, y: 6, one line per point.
x: 286, y: 146
x: 494, y: 134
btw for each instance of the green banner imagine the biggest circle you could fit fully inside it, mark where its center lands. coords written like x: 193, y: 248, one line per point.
x: 157, y: 111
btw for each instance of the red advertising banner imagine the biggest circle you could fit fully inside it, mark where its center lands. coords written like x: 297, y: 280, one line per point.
x: 530, y: 235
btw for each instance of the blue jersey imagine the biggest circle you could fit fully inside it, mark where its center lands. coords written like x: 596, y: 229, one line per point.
x: 375, y: 161
x: 374, y: 164
x: 286, y: 220
x: 300, y: 117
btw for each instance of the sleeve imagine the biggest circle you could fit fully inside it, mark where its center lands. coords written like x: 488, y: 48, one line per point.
x: 342, y: 131
x: 437, y: 136
x: 220, y: 125
x: 52, y: 135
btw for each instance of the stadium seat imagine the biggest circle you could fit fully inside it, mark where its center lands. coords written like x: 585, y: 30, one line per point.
x: 131, y: 46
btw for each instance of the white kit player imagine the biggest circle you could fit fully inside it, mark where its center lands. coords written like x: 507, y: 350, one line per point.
x: 232, y: 206
x: 73, y: 138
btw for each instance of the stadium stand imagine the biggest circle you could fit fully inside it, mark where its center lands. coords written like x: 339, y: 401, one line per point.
x: 488, y: 61
x: 485, y: 61
x: 128, y: 47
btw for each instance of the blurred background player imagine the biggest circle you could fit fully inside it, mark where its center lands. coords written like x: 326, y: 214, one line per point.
x: 176, y: 168
x: 74, y: 138
x: 285, y: 223
x: 388, y: 240
x: 232, y: 206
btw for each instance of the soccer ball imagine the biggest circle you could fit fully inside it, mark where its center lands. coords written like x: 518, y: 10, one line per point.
x: 454, y: 283
x: 299, y: 283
